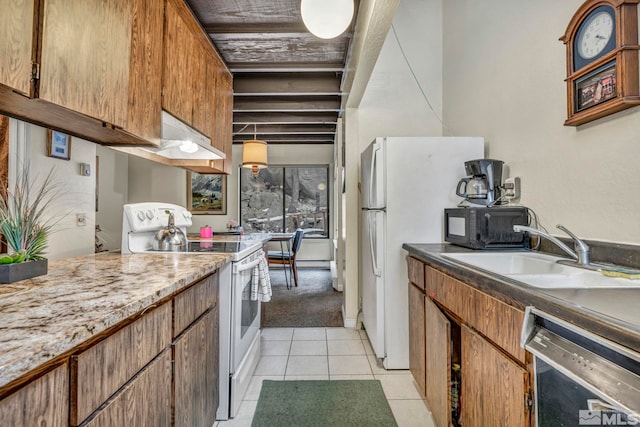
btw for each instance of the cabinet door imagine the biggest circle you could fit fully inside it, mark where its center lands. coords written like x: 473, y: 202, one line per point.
x: 438, y: 363
x: 44, y: 402
x: 17, y: 43
x: 191, y: 303
x: 85, y: 57
x: 195, y: 356
x: 222, y: 138
x: 179, y: 43
x: 494, y: 388
x: 145, y: 401
x: 102, y: 369
x: 204, y: 88
x: 145, y: 73
x: 417, y: 336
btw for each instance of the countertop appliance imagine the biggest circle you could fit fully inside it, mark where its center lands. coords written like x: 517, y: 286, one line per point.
x: 239, y: 328
x: 484, y: 186
x: 486, y: 228
x: 580, y: 378
x: 406, y: 184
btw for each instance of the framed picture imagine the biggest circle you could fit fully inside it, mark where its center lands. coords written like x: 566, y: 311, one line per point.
x: 596, y: 87
x: 207, y: 194
x: 58, y: 145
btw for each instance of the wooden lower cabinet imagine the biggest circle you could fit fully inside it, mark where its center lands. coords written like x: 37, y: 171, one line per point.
x: 453, y: 322
x: 43, y: 402
x: 494, y: 388
x: 438, y: 363
x: 145, y: 401
x: 102, y: 369
x: 416, y: 336
x: 195, y: 355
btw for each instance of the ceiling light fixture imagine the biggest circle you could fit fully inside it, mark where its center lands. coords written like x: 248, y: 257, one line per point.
x: 326, y: 18
x: 254, y: 154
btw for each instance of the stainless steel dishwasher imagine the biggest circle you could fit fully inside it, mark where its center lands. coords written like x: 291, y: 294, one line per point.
x: 580, y: 378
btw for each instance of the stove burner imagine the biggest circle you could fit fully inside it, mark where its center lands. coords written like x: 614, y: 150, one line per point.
x: 223, y: 247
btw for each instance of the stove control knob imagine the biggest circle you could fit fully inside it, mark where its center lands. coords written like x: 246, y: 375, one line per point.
x: 150, y: 214
x: 141, y: 216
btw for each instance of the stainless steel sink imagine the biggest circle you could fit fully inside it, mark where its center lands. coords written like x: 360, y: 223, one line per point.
x: 539, y: 270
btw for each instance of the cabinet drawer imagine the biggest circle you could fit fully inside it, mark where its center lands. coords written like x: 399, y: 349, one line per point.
x: 416, y: 272
x: 145, y: 401
x: 102, y: 369
x: 190, y: 304
x: 45, y: 399
x: 494, y: 319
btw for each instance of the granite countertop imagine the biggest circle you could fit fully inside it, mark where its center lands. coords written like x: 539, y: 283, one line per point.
x: 611, y: 313
x: 44, y: 317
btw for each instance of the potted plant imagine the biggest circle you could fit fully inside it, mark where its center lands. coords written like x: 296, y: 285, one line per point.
x: 25, y: 226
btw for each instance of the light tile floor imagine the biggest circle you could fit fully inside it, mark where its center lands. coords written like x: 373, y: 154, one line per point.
x: 329, y: 354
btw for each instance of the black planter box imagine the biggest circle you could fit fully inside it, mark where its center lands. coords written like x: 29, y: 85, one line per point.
x: 10, y: 273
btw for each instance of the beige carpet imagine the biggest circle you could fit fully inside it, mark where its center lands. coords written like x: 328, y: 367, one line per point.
x: 313, y: 303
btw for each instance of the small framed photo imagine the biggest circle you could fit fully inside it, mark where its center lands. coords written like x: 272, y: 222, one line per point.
x: 58, y: 145
x: 598, y: 86
x: 207, y: 194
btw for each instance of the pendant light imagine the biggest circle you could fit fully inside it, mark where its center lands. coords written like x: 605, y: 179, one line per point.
x: 326, y: 18
x: 254, y: 154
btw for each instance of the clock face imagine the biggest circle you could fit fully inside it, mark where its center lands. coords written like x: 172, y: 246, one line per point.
x: 595, y: 34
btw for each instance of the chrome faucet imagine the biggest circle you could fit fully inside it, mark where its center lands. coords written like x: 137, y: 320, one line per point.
x: 581, y: 253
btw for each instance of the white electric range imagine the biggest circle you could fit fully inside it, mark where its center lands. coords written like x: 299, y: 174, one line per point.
x: 239, y: 330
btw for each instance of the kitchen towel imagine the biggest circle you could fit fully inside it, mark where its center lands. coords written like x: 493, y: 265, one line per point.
x: 260, y: 282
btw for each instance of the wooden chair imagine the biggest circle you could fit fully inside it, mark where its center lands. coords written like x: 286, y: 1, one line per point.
x: 288, y: 258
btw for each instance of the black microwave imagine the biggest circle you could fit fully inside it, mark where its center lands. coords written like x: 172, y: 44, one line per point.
x: 486, y: 228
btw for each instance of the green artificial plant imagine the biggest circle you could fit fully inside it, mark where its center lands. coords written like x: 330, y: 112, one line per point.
x: 24, y: 222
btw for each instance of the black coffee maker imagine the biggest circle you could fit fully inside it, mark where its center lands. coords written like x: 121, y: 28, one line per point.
x: 483, y: 186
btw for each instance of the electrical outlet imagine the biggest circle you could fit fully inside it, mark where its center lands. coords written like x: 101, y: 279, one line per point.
x: 511, y: 188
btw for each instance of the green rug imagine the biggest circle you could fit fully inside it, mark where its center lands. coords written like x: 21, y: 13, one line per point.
x: 357, y: 403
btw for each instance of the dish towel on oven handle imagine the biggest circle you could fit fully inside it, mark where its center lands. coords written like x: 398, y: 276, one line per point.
x: 260, y: 282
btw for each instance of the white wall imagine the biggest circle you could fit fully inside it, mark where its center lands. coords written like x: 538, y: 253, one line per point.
x: 113, y: 192
x: 504, y: 71
x: 404, y: 93
x: 28, y: 142
x: 403, y: 98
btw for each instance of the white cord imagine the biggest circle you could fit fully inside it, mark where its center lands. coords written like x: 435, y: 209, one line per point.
x: 424, y: 95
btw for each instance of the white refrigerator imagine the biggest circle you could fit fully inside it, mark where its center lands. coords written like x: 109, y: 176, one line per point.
x: 406, y: 182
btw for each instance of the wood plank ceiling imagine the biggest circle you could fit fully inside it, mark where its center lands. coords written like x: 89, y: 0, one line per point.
x: 287, y: 83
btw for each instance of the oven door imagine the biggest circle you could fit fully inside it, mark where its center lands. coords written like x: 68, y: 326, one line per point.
x: 245, y: 313
x: 580, y: 378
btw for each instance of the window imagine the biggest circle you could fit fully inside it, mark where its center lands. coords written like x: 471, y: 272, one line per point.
x: 282, y: 199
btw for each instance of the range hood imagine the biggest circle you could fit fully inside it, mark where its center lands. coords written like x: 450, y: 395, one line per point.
x: 182, y: 142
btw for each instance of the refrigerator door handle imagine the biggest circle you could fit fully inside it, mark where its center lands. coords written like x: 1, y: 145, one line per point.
x: 374, y: 158
x: 372, y: 236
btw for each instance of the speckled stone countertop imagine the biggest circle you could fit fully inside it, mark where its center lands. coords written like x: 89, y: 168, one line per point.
x: 612, y: 313
x: 80, y: 297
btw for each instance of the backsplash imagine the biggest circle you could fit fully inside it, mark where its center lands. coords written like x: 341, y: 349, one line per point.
x: 615, y: 253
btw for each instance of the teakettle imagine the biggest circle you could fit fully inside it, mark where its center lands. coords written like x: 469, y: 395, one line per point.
x: 170, y: 238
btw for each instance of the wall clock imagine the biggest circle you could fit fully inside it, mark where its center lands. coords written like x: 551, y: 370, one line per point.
x: 602, y: 60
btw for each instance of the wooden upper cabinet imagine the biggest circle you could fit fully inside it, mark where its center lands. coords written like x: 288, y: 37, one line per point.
x: 223, y: 118
x: 179, y: 59
x: 102, y: 58
x: 85, y: 57
x: 17, y: 42
x: 145, y: 73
